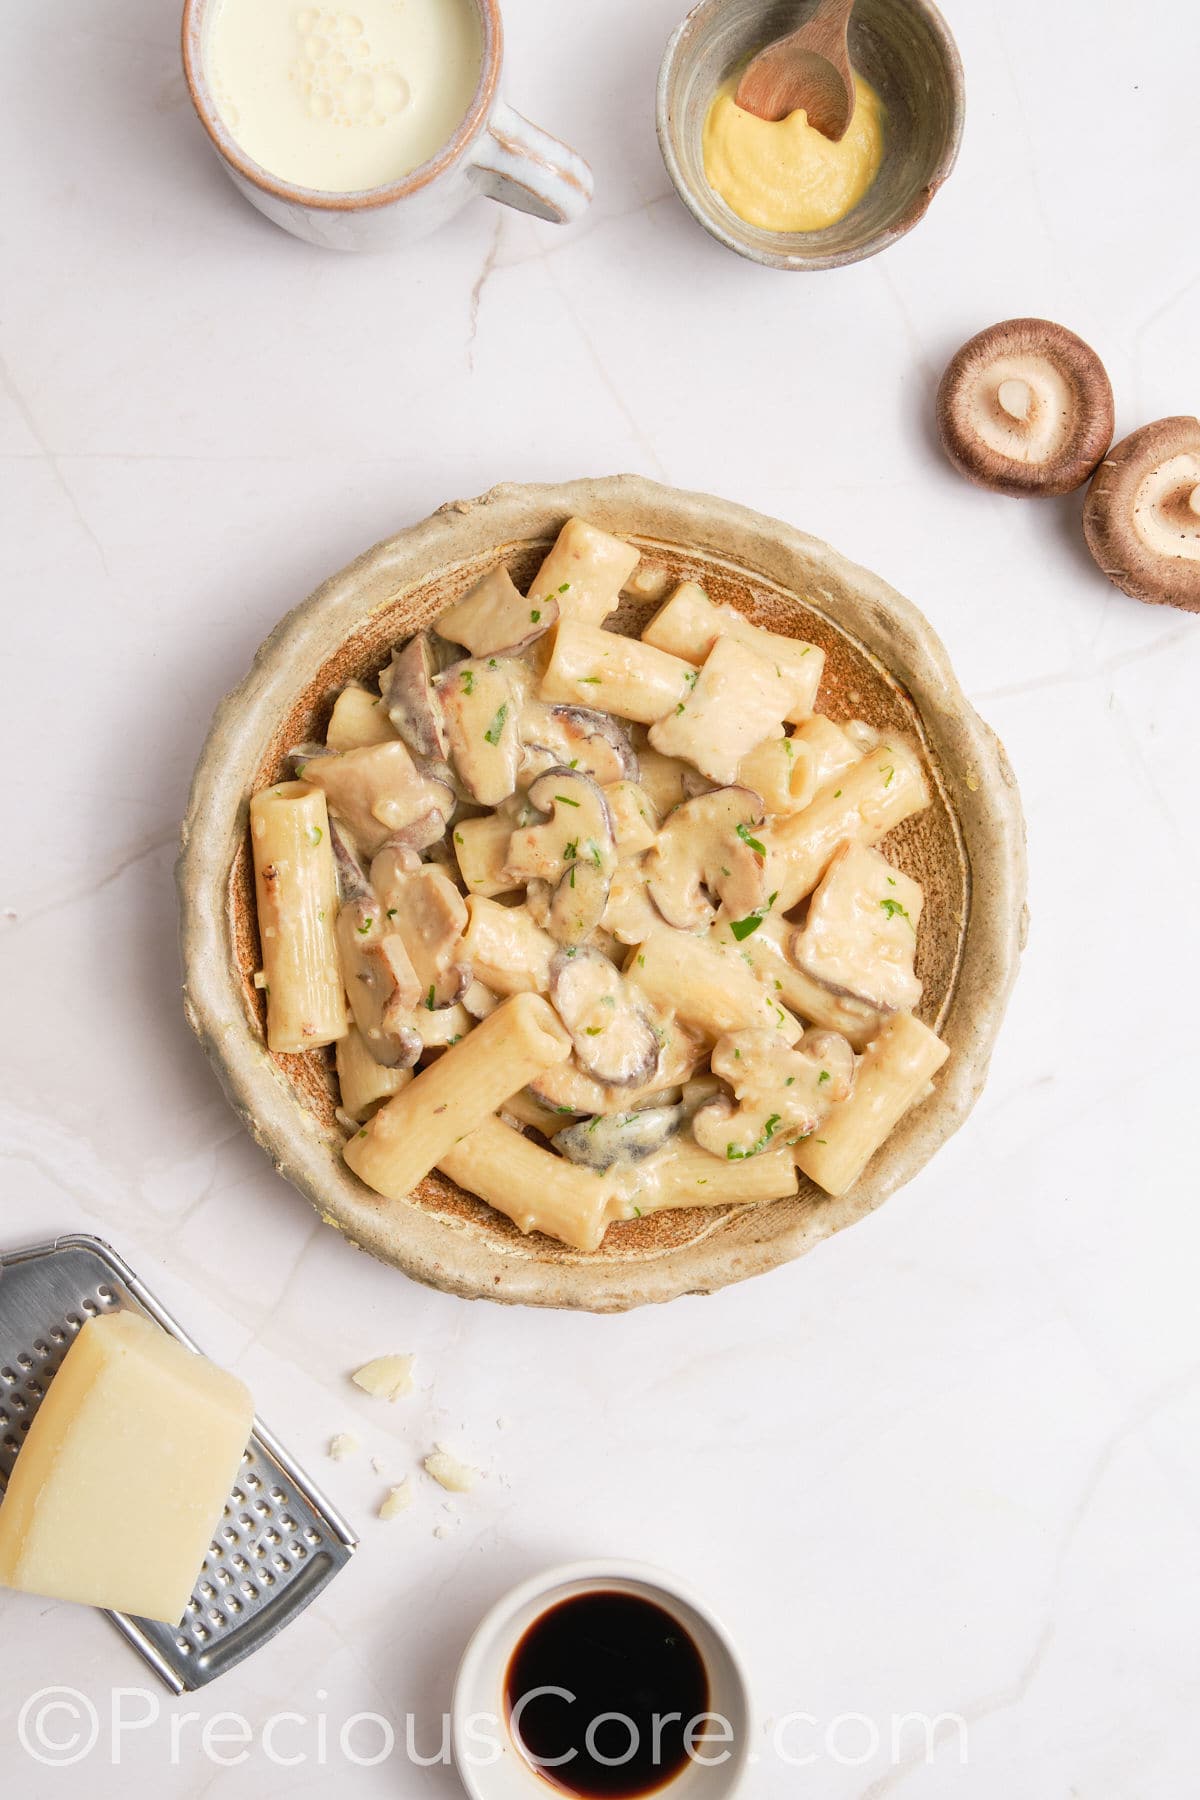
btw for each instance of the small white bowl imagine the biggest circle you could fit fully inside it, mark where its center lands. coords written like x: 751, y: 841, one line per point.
x: 479, y: 1684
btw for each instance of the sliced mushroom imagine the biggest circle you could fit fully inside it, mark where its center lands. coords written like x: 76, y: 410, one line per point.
x: 495, y: 619
x: 381, y: 983
x: 576, y: 737
x: 738, y: 699
x: 378, y: 791
x: 480, y: 703
x: 782, y: 1095
x: 860, y: 936
x: 409, y: 697
x: 634, y: 816
x: 624, y: 1137
x: 573, y: 847
x: 426, y: 910
x: 1142, y: 514
x: 629, y: 913
x: 612, y: 1034
x: 567, y: 1088
x: 352, y: 878
x: 707, y: 852
x: 1025, y: 407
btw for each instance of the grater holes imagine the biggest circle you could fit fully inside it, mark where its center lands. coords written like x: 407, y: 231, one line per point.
x: 267, y: 1577
x: 26, y: 1362
x: 90, y: 1307
x: 58, y: 1336
x: 202, y: 1633
x: 9, y: 1375
x: 298, y: 1550
x: 288, y: 1523
x: 183, y: 1647
x: 251, y: 1479
x: 278, y: 1496
x: 311, y: 1536
x: 282, y: 1564
x: 262, y: 1509
x: 233, y: 1604
x: 241, y: 1565
x: 230, y: 1536
x: 18, y: 1403
x: 223, y: 1576
x: 248, y: 1588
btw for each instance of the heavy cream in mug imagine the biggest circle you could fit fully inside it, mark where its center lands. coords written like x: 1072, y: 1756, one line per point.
x: 343, y: 98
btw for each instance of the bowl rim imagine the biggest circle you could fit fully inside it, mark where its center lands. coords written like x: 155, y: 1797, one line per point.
x: 440, y: 1251
x: 493, y: 1640
x: 792, y: 260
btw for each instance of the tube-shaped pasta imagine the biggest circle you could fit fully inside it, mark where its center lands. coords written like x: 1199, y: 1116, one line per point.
x: 689, y: 624
x: 536, y: 1189
x: 620, y: 675
x: 454, y: 1095
x: 296, y: 889
x: 584, y: 572
x: 358, y: 719
x: 783, y: 771
x: 706, y: 986
x: 861, y: 805
x: 509, y: 953
x: 891, y: 1077
x: 364, y: 1082
x: 481, y: 846
x: 685, y: 1174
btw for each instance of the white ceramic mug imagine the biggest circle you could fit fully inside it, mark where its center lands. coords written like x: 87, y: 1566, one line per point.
x: 495, y: 151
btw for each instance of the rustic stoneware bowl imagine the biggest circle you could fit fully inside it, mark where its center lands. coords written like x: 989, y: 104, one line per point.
x: 884, y: 664
x: 905, y: 50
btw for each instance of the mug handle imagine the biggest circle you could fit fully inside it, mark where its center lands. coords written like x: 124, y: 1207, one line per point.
x: 518, y: 163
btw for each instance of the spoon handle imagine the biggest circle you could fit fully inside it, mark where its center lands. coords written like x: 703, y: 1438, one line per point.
x: 826, y: 30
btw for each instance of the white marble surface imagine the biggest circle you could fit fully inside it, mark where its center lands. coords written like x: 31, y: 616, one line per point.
x: 948, y: 1463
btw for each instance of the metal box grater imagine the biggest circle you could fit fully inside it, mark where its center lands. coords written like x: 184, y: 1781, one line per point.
x: 279, y: 1541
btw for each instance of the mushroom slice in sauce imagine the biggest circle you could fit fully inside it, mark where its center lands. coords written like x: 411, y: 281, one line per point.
x: 573, y: 847
x: 613, y: 1037
x: 409, y: 697
x: 623, y: 1137
x: 860, y: 936
x: 576, y: 737
x: 377, y: 791
x: 782, y: 1094
x: 381, y: 983
x: 495, y: 619
x: 481, y: 706
x: 707, y: 851
x: 567, y: 1088
x: 428, y: 913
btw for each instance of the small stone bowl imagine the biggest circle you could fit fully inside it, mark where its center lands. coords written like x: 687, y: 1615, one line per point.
x: 904, y: 49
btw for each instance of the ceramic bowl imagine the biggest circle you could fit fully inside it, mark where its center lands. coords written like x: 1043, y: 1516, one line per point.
x: 905, y: 50
x: 884, y: 664
x: 718, y: 1774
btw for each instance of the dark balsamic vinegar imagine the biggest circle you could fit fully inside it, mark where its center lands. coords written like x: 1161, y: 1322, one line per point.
x: 616, y: 1653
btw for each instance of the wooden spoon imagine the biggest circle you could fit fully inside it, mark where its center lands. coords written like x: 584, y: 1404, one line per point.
x: 809, y: 68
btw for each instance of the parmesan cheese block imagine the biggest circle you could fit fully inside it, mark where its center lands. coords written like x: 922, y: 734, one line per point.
x: 122, y: 1479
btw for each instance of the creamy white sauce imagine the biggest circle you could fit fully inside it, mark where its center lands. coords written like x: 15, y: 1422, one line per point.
x: 343, y: 98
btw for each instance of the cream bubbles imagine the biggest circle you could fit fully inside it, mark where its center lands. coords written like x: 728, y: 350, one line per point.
x: 343, y: 100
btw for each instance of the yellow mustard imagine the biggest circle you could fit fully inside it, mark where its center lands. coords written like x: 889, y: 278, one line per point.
x: 784, y: 175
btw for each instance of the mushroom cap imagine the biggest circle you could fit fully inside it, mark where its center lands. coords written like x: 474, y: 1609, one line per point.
x: 1025, y: 407
x: 1141, y: 517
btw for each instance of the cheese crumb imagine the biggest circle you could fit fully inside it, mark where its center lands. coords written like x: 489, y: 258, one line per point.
x: 455, y: 1476
x: 378, y: 1464
x: 343, y: 1445
x: 388, y: 1377
x: 398, y: 1500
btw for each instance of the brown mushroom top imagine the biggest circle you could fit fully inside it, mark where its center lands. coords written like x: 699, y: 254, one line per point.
x: 1142, y: 514
x: 1026, y: 408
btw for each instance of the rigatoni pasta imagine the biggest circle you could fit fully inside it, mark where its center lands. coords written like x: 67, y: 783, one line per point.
x: 295, y: 886
x: 609, y: 914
